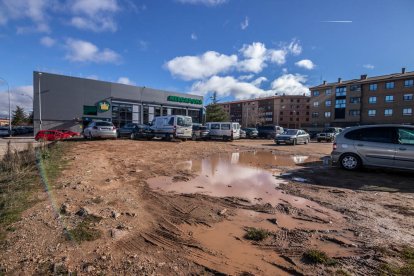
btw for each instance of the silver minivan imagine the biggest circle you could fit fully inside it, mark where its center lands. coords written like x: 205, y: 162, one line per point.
x: 172, y: 126
x: 224, y: 130
x: 389, y: 146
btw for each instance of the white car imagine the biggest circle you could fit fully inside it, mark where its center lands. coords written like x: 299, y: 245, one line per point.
x: 172, y: 127
x: 100, y: 129
x: 224, y: 130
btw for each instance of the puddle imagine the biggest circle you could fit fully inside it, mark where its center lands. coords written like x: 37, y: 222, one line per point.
x: 241, y: 175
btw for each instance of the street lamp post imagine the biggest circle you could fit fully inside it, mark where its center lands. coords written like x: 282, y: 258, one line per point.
x: 8, y: 91
x: 40, y: 105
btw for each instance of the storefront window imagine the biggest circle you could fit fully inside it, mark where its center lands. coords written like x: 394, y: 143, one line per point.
x: 121, y: 114
x: 195, y: 115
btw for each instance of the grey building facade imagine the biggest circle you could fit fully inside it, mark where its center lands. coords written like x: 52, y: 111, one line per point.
x: 71, y: 103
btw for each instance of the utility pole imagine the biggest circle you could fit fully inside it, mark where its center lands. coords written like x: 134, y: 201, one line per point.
x: 8, y: 91
x: 40, y: 104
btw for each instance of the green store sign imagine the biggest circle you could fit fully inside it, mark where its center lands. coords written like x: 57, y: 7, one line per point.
x: 103, y: 106
x: 184, y: 100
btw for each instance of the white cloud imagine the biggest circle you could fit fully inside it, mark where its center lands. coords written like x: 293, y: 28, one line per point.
x: 84, y: 51
x: 290, y: 84
x: 21, y: 96
x: 246, y: 77
x: 245, y: 23
x: 125, y: 80
x: 198, y: 67
x: 295, y: 48
x: 258, y: 82
x: 368, y: 66
x: 305, y: 63
x: 255, y: 55
x: 278, y: 56
x: 203, y: 2
x: 194, y: 36
x: 47, y: 41
x: 227, y: 86
x: 34, y: 10
x: 94, y: 15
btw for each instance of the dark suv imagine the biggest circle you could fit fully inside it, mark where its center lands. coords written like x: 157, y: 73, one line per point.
x: 199, y: 132
x: 269, y: 132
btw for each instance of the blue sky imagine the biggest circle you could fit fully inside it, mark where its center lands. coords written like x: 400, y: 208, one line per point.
x: 238, y: 48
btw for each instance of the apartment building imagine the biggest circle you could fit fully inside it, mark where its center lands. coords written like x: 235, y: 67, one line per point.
x: 289, y: 111
x: 367, y: 100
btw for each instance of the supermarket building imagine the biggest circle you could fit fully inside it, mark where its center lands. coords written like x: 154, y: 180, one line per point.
x: 71, y: 103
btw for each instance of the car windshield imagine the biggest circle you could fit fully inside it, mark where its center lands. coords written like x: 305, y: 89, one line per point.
x: 290, y: 132
x: 103, y: 124
x: 184, y: 121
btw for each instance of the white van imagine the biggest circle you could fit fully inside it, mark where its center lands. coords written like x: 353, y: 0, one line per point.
x: 173, y: 126
x: 224, y: 130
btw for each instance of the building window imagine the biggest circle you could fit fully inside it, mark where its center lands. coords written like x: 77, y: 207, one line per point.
x: 354, y: 112
x: 328, y: 103
x: 341, y: 91
x: 388, y: 112
x: 389, y: 85
x: 315, y: 93
x: 408, y: 97
x: 408, y: 111
x: 373, y: 87
x: 355, y: 100
x: 372, y: 112
x: 315, y: 104
x: 328, y: 92
x: 372, y: 100
x: 315, y: 114
x: 389, y: 99
x: 340, y: 103
x: 408, y: 83
x: 327, y: 114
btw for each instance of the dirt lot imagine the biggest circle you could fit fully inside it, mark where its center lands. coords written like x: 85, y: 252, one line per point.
x: 242, y: 208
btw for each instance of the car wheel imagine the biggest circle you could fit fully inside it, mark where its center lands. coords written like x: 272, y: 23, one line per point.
x: 306, y: 141
x: 277, y: 143
x: 194, y: 137
x: 350, y: 162
x: 319, y: 140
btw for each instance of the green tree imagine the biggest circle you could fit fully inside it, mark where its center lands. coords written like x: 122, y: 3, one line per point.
x: 30, y: 118
x: 18, y: 116
x: 216, y: 113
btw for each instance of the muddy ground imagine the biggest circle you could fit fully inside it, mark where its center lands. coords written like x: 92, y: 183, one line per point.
x: 172, y: 208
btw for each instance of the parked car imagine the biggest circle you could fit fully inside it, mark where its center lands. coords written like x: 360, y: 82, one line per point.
x: 199, y: 132
x: 242, y: 134
x: 269, y: 132
x: 390, y: 146
x: 126, y: 130
x: 69, y: 132
x: 51, y: 135
x: 19, y: 130
x: 251, y: 132
x: 142, y: 132
x: 328, y: 134
x: 293, y: 136
x: 172, y: 127
x: 100, y: 129
x: 224, y: 130
x: 4, y: 131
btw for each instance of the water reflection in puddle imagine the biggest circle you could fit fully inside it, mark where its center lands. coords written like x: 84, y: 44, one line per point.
x: 236, y: 175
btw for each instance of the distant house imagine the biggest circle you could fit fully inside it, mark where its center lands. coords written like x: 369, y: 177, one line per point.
x: 4, y: 122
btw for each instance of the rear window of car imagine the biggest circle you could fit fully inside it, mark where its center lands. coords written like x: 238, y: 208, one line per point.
x: 372, y: 134
x: 225, y: 126
x: 215, y: 126
x: 103, y: 124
